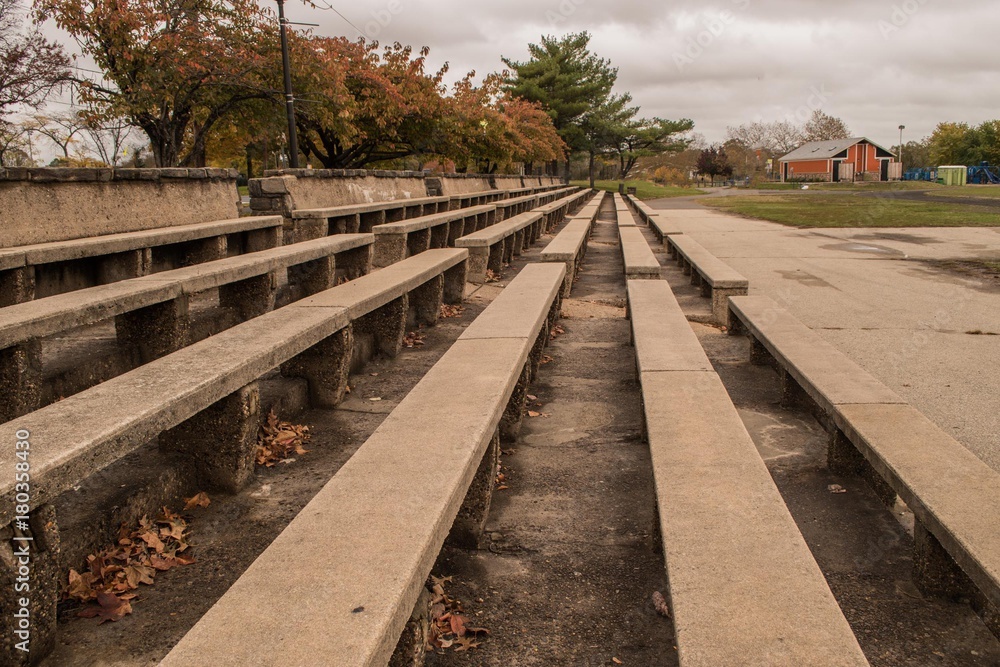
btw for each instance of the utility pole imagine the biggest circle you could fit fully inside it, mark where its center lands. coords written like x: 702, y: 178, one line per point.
x: 293, y: 140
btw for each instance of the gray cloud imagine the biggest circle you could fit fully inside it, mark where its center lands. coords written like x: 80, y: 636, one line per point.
x: 879, y: 62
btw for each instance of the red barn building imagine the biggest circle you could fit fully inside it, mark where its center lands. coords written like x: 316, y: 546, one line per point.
x: 857, y: 159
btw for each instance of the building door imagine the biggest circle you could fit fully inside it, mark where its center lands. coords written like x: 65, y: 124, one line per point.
x: 885, y: 171
x: 836, y: 170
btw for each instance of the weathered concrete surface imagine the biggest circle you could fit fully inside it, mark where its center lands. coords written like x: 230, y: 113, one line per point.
x: 570, y: 569
x: 865, y: 553
x: 867, y: 293
x: 387, y: 547
x: 41, y: 212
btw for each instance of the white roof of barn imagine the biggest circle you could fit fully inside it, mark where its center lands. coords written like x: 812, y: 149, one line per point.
x: 824, y: 150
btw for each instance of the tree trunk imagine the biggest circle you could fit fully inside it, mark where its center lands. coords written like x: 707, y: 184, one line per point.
x: 593, y: 177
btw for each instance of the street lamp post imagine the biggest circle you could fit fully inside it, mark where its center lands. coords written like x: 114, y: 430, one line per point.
x: 901, y: 128
x: 293, y: 140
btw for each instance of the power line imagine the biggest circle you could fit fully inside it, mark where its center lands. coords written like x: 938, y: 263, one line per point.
x: 323, y: 4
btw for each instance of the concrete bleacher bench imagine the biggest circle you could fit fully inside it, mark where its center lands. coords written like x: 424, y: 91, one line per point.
x: 656, y: 221
x: 467, y: 199
x: 570, y: 244
x: 152, y: 313
x: 555, y: 211
x: 202, y: 402
x: 368, y: 540
x: 954, y: 495
x: 355, y: 218
x: 44, y: 269
x: 492, y: 247
x: 395, y: 241
x: 508, y: 208
x: 640, y: 262
x: 718, y: 280
x: 744, y: 587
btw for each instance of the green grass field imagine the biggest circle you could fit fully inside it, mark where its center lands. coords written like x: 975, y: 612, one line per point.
x: 645, y: 189
x: 244, y: 190
x: 853, y: 187
x: 838, y: 211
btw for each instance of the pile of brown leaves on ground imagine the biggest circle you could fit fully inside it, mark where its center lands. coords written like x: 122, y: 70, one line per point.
x: 278, y: 440
x: 556, y: 332
x: 448, y: 627
x: 448, y: 310
x: 413, y: 339
x: 492, y: 277
x: 110, y: 578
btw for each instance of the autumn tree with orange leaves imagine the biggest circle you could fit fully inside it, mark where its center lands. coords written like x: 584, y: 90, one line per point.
x: 174, y: 68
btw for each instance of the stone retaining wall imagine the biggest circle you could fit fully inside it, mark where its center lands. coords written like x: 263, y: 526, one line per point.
x: 55, y: 204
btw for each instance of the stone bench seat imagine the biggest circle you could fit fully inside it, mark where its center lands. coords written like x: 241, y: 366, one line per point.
x: 570, y: 244
x: 508, y: 208
x: 656, y: 220
x: 640, y: 262
x: 744, y: 587
x: 202, y: 403
x: 954, y: 495
x: 395, y: 241
x: 152, y: 313
x: 466, y: 199
x: 40, y: 270
x: 351, y: 566
x: 498, y: 244
x: 355, y: 218
x: 555, y: 211
x: 718, y: 280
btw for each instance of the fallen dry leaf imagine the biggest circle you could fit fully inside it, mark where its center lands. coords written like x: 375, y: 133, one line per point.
x: 110, y: 576
x: 199, y: 499
x: 836, y: 488
x: 448, y: 310
x: 278, y: 440
x: 413, y: 339
x: 660, y: 604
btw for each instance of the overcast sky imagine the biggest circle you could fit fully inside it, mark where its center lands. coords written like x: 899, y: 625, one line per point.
x: 875, y: 63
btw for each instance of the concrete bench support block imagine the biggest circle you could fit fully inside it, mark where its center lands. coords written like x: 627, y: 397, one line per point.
x: 326, y: 366
x: 20, y: 379
x: 125, y: 265
x: 389, y: 249
x: 206, y: 250
x: 454, y: 283
x: 935, y: 572
x: 17, y: 286
x: 157, y: 330
x: 418, y: 241
x: 369, y: 220
x: 510, y: 423
x: 467, y: 530
x: 843, y: 458
x: 440, y: 235
x: 315, y: 276
x: 387, y: 326
x: 251, y: 297
x: 426, y: 301
x: 219, y: 443
x: 44, y: 585
x: 263, y: 239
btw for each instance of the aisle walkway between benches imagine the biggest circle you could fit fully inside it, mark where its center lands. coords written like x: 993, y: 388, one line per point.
x: 568, y: 572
